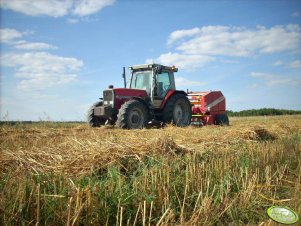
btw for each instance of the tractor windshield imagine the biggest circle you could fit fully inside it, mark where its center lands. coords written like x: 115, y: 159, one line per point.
x: 142, y: 80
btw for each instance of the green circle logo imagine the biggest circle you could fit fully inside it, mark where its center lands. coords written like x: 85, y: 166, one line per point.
x: 282, y: 214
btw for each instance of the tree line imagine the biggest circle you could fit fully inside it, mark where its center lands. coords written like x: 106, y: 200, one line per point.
x: 263, y: 112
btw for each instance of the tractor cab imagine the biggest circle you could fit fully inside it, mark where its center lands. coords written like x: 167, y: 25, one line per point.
x: 155, y: 79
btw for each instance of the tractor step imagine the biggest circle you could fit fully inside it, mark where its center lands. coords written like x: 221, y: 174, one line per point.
x: 197, y: 123
x: 154, y: 122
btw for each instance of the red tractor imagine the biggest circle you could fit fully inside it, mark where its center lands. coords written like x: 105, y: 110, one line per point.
x: 152, y: 97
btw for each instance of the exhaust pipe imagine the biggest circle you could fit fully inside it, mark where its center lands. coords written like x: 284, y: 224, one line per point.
x: 123, y: 76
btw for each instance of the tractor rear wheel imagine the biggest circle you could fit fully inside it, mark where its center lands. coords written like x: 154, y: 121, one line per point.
x: 133, y: 114
x: 92, y: 119
x: 221, y: 120
x: 177, y: 110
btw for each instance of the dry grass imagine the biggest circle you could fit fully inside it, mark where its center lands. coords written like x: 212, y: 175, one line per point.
x: 81, y: 149
x: 204, y: 176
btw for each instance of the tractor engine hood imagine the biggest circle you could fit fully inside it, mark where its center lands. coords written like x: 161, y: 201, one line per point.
x: 122, y: 95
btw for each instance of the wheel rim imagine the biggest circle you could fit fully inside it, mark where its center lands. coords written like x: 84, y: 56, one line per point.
x: 136, y: 118
x: 180, y: 113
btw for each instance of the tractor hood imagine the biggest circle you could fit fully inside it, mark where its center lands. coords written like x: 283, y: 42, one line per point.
x: 122, y: 95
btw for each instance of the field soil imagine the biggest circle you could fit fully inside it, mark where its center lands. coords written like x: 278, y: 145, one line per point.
x: 71, y: 174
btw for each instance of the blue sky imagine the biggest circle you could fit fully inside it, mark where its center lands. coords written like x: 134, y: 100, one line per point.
x: 58, y: 56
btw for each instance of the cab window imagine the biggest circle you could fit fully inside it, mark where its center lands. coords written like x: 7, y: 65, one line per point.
x: 141, y: 80
x: 163, y: 84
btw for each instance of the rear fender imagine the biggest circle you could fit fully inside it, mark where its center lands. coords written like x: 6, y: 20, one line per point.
x: 169, y: 94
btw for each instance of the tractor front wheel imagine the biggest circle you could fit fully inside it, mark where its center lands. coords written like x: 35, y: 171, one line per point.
x: 133, y: 114
x: 177, y: 110
x: 92, y: 119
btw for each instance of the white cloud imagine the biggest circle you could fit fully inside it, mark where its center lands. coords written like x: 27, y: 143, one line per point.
x: 8, y: 35
x: 274, y: 79
x: 295, y: 64
x: 278, y: 63
x: 259, y: 75
x: 53, y: 8
x: 194, y: 48
x: 295, y: 14
x: 33, y: 45
x: 187, y: 62
x: 40, y: 70
x: 240, y: 41
x: 179, y: 34
x: 183, y: 82
x: 72, y: 20
x: 87, y: 7
x: 282, y: 81
x: 149, y: 61
x: 12, y: 37
x: 56, y: 8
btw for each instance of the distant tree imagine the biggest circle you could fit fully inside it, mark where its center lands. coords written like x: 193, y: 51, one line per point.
x: 263, y: 112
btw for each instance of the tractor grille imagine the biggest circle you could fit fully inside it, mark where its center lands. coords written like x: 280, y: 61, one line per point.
x: 108, y: 97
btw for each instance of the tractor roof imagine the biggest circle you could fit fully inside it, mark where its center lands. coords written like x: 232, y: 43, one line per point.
x: 150, y: 66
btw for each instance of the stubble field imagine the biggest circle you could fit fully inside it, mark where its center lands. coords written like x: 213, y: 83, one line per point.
x: 70, y: 174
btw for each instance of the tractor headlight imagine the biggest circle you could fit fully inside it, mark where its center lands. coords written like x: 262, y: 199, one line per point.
x: 108, y: 97
x: 108, y: 102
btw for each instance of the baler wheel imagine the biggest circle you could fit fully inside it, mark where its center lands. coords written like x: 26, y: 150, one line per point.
x: 221, y: 120
x: 133, y: 114
x: 177, y: 110
x: 92, y: 119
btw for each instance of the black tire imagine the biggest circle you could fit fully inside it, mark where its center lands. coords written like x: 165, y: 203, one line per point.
x: 177, y: 110
x: 221, y: 120
x: 133, y: 114
x: 92, y: 119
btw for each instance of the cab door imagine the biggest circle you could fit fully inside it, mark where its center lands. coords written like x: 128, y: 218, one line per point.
x: 164, y: 82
